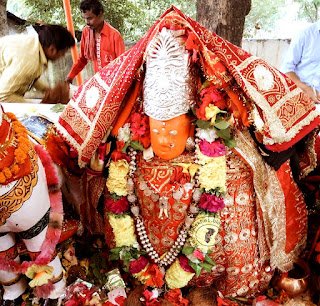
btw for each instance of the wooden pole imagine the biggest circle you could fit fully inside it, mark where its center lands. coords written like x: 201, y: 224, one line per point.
x: 74, y: 50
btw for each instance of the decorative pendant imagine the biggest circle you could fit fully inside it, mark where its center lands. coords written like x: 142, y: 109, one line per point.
x: 164, y: 203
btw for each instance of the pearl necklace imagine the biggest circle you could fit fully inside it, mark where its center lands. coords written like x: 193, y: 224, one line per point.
x: 175, y: 249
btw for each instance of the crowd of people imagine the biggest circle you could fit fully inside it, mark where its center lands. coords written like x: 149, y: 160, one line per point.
x: 191, y: 158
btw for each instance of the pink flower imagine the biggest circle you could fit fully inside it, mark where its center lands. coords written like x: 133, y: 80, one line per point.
x: 210, y: 202
x: 212, y: 149
x: 138, y: 265
x: 116, y: 206
x: 198, y: 254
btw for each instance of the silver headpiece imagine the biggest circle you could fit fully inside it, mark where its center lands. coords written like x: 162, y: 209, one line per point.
x: 167, y: 86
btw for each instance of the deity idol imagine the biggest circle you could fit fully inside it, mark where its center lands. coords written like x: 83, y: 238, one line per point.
x: 31, y: 212
x: 190, y: 199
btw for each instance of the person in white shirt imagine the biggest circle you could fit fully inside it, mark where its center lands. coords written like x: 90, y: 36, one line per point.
x: 302, y: 61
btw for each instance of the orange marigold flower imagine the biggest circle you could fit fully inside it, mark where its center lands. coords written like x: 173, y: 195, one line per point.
x: 7, y: 173
x: 15, y: 169
x: 2, y: 178
x: 20, y: 156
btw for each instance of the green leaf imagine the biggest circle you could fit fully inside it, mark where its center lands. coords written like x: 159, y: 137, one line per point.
x: 136, y: 145
x: 126, y: 256
x: 221, y: 124
x: 116, y: 250
x: 209, y: 260
x: 231, y: 143
x: 113, y: 257
x: 206, y: 266
x: 195, y: 267
x: 203, y: 124
x: 187, y: 250
x: 224, y: 134
x: 124, y: 149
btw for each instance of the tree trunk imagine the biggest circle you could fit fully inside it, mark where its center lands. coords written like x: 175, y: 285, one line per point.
x: 224, y: 17
x: 3, y: 17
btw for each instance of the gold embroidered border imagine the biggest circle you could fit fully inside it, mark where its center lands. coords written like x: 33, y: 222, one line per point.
x: 312, y: 155
x: 272, y: 203
x: 20, y: 192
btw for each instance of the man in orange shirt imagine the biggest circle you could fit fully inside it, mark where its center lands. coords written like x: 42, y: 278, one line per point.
x: 100, y: 42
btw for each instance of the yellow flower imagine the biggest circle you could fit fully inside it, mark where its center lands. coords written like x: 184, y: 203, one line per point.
x: 214, y: 174
x: 176, y: 277
x: 117, y: 179
x: 39, y: 275
x: 123, y: 230
x: 211, y: 112
x: 188, y: 168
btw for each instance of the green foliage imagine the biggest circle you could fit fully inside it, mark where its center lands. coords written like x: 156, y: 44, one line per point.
x: 262, y: 16
x: 134, y: 17
x: 309, y: 9
x: 131, y: 17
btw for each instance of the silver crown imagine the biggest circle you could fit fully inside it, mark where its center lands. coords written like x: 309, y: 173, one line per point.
x: 168, y: 90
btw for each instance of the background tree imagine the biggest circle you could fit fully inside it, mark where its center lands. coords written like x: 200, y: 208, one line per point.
x: 134, y: 17
x: 309, y: 9
x: 226, y: 18
x: 131, y: 17
x: 3, y: 18
x: 263, y: 17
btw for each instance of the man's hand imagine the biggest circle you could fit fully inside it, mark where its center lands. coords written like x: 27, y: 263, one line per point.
x: 57, y: 94
x: 312, y: 93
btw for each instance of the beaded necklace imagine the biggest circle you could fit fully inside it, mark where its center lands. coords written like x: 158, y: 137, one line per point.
x: 146, y: 245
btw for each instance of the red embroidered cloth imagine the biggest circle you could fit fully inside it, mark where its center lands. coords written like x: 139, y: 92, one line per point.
x: 284, y: 112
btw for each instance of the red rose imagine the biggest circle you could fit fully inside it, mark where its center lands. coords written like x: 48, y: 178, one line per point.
x: 116, y: 206
x: 140, y: 129
x: 137, y: 265
x: 184, y: 263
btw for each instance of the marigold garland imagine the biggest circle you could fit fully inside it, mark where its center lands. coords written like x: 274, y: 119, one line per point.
x: 21, y: 144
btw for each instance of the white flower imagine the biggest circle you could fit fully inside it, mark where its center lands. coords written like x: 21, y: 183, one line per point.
x: 206, y: 134
x: 124, y: 133
x: 263, y: 77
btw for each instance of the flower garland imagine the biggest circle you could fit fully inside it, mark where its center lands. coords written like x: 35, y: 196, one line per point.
x: 218, y: 109
x: 14, y: 150
x: 186, y: 257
